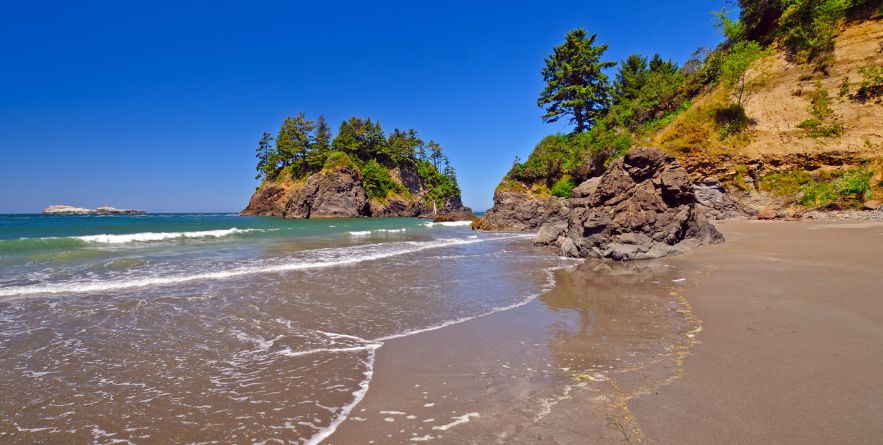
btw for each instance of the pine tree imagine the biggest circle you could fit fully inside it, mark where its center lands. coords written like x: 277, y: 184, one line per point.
x: 266, y: 155
x: 630, y: 78
x: 576, y: 85
x: 322, y: 139
x: 294, y: 142
x: 435, y: 154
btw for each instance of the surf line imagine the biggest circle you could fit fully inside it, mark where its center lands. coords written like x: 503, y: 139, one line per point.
x: 373, y: 345
x: 88, y: 286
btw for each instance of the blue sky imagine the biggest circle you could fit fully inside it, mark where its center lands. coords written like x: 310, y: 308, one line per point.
x: 158, y: 105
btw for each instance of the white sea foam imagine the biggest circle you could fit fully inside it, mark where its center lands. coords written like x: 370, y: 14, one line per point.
x: 358, y: 395
x: 359, y: 233
x: 448, y: 223
x: 324, y: 258
x: 159, y: 236
x: 457, y: 421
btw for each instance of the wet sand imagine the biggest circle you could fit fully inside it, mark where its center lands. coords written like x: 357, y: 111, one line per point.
x: 772, y: 337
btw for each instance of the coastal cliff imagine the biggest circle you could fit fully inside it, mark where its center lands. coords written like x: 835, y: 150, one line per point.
x: 759, y: 128
x: 362, y: 173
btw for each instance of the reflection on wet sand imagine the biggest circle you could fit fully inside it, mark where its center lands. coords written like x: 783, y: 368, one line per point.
x: 604, y: 333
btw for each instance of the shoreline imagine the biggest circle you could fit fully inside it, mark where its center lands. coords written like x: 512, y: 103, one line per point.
x: 622, y: 352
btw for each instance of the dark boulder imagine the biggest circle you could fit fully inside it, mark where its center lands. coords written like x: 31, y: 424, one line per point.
x: 644, y: 206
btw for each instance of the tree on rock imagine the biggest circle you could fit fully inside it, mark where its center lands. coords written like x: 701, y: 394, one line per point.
x: 294, y: 142
x: 576, y: 85
x: 266, y: 155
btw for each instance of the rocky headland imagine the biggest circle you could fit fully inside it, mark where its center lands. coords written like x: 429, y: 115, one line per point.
x: 340, y: 192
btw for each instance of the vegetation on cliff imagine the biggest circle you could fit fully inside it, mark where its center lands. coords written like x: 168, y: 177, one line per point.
x: 707, y: 107
x: 303, y: 147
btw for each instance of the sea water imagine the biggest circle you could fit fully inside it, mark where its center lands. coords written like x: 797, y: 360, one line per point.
x: 216, y: 327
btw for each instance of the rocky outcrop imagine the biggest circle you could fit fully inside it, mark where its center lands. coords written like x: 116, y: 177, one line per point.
x: 337, y: 193
x: 713, y: 198
x: 271, y: 199
x: 520, y: 210
x: 643, y: 207
x: 396, y: 207
x: 340, y: 193
x: 69, y: 210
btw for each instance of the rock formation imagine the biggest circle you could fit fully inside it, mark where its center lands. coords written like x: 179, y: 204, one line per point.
x: 339, y: 193
x: 643, y: 207
x: 330, y: 194
x: 520, y: 210
x: 70, y: 210
x: 271, y: 199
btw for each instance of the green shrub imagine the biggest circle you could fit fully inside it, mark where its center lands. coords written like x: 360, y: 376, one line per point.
x: 808, y: 27
x: 854, y: 183
x: 563, y: 187
x: 818, y: 193
x: 822, y: 123
x: 577, y: 155
x: 337, y: 159
x: 378, y: 182
x: 871, y: 86
x: 787, y: 184
x: 731, y: 120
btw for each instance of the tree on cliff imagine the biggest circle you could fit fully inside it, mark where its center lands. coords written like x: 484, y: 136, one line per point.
x: 435, y: 154
x: 293, y: 143
x: 576, y: 85
x: 266, y: 155
x: 359, y: 138
x: 322, y: 139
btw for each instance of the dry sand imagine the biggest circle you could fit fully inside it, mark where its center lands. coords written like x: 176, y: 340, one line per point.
x: 792, y: 346
x: 773, y: 337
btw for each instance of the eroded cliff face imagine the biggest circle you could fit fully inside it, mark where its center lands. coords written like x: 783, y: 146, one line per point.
x: 520, y: 210
x: 271, y: 199
x: 644, y: 206
x: 337, y: 193
x: 340, y: 193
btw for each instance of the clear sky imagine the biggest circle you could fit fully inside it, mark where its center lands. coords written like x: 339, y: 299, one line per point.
x: 159, y: 105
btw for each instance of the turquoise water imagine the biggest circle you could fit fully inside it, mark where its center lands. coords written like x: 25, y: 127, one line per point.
x: 215, y: 327
x: 63, y: 253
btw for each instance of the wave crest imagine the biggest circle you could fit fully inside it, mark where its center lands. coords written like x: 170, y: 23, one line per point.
x: 143, y: 237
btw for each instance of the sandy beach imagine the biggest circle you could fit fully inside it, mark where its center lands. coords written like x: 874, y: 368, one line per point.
x: 772, y: 337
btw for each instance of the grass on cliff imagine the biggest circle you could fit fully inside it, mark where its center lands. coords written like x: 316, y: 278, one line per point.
x: 822, y: 123
x: 849, y: 187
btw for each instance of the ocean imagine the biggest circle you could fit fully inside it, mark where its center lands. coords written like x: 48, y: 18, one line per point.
x: 219, y: 328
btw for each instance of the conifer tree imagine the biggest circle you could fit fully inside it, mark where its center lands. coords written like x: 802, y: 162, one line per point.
x: 576, y: 85
x: 322, y: 139
x: 266, y: 155
x: 293, y: 143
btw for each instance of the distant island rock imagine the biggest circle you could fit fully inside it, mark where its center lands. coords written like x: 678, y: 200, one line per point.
x: 71, y: 210
x: 361, y: 172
